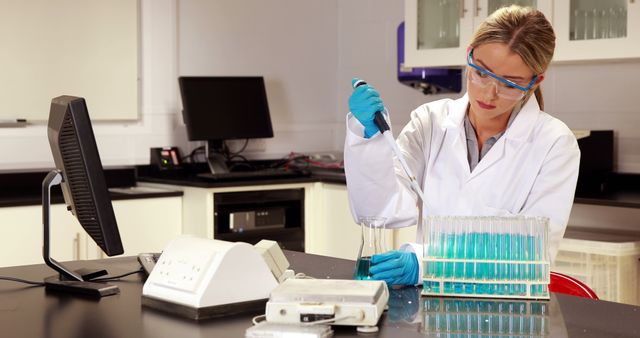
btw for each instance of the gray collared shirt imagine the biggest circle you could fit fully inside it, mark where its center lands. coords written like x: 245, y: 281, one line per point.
x: 474, y: 155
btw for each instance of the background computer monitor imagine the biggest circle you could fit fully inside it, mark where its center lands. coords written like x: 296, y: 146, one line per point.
x: 80, y: 174
x: 218, y: 108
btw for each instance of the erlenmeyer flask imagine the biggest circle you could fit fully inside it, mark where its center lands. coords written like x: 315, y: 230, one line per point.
x: 372, y: 242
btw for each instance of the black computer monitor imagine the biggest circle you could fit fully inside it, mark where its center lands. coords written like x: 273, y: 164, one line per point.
x: 219, y: 108
x: 80, y: 174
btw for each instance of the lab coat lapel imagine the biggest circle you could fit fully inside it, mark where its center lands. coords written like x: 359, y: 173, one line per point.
x: 513, y: 137
x: 494, y: 155
x: 455, y: 131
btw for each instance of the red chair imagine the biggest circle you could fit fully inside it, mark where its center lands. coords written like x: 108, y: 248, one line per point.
x: 570, y: 286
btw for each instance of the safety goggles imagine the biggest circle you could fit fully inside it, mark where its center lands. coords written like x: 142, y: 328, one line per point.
x: 505, y: 88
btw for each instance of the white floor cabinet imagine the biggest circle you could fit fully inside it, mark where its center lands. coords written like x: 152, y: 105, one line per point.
x: 145, y: 225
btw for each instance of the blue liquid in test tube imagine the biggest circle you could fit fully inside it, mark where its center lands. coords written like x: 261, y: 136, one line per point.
x: 492, y: 255
x: 503, y: 268
x: 531, y: 274
x: 449, y: 266
x: 513, y: 267
x: 438, y: 252
x: 469, y: 270
x: 481, y: 268
x: 459, y: 254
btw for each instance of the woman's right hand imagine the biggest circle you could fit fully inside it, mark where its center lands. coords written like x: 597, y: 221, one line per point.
x: 364, y: 102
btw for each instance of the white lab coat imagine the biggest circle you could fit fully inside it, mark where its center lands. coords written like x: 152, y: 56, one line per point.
x: 531, y: 170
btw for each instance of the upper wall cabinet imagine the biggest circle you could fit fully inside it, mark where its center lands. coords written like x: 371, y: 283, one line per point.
x: 437, y: 32
x: 596, y: 30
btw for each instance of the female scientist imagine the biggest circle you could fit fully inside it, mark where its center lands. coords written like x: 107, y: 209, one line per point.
x: 493, y: 152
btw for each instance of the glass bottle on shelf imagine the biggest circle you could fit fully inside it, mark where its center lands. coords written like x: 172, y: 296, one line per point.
x: 438, y: 24
x: 597, y: 19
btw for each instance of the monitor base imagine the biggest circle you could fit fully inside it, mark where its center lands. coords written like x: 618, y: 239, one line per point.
x: 86, y: 288
x: 216, y: 160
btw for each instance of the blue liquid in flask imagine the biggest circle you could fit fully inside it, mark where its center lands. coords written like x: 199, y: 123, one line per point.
x: 362, y: 268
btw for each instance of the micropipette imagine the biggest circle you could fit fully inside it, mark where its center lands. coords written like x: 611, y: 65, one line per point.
x: 381, y: 123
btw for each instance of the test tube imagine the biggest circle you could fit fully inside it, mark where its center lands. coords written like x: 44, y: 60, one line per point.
x: 450, y: 240
x: 470, y: 243
x: 434, y: 249
x: 427, y: 248
x: 488, y: 254
x: 613, y: 21
x: 535, y: 231
x: 439, y: 253
x: 577, y: 32
x: 494, y: 227
x: 460, y: 225
x: 594, y: 23
x: 604, y: 24
x: 514, y: 252
x: 622, y: 19
x: 501, y: 267
x: 516, y: 255
x: 519, y: 252
x: 486, y: 248
x: 480, y: 256
x: 544, y: 255
x: 585, y: 21
x: 528, y: 251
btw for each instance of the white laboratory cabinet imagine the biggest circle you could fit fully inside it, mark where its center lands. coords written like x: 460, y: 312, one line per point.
x: 438, y: 32
x: 335, y: 232
x: 199, y: 210
x: 145, y: 225
x: 596, y: 30
x: 329, y: 228
x: 21, y: 235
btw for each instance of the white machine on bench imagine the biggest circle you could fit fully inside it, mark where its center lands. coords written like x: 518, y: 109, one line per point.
x: 202, y: 278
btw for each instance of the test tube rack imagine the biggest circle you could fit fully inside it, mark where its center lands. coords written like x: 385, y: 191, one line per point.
x: 486, y: 257
x: 480, y: 318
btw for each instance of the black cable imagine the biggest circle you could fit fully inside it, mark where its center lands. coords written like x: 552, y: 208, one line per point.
x: 244, y: 159
x: 109, y: 279
x: 104, y: 279
x: 246, y: 142
x: 19, y: 280
x: 192, y: 154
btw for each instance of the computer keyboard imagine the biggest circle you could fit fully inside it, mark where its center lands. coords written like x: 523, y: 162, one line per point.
x: 253, y: 175
x: 148, y: 261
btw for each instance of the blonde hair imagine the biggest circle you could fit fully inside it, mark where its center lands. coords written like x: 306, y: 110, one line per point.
x: 527, y: 32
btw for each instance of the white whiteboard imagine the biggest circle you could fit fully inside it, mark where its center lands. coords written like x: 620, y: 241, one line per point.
x: 86, y: 48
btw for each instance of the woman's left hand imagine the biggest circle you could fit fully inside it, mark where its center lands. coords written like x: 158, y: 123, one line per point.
x: 395, y: 267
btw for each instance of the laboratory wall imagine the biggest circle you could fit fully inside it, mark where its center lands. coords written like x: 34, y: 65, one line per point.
x: 308, y: 52
x: 121, y: 143
x: 293, y: 44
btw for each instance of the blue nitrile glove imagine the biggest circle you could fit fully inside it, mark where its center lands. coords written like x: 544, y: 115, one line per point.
x: 395, y: 267
x: 364, y: 102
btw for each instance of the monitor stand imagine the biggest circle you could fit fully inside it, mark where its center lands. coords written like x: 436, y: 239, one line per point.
x: 215, y: 157
x: 78, y: 281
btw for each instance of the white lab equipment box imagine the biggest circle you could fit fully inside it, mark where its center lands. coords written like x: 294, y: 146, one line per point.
x: 608, y: 262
